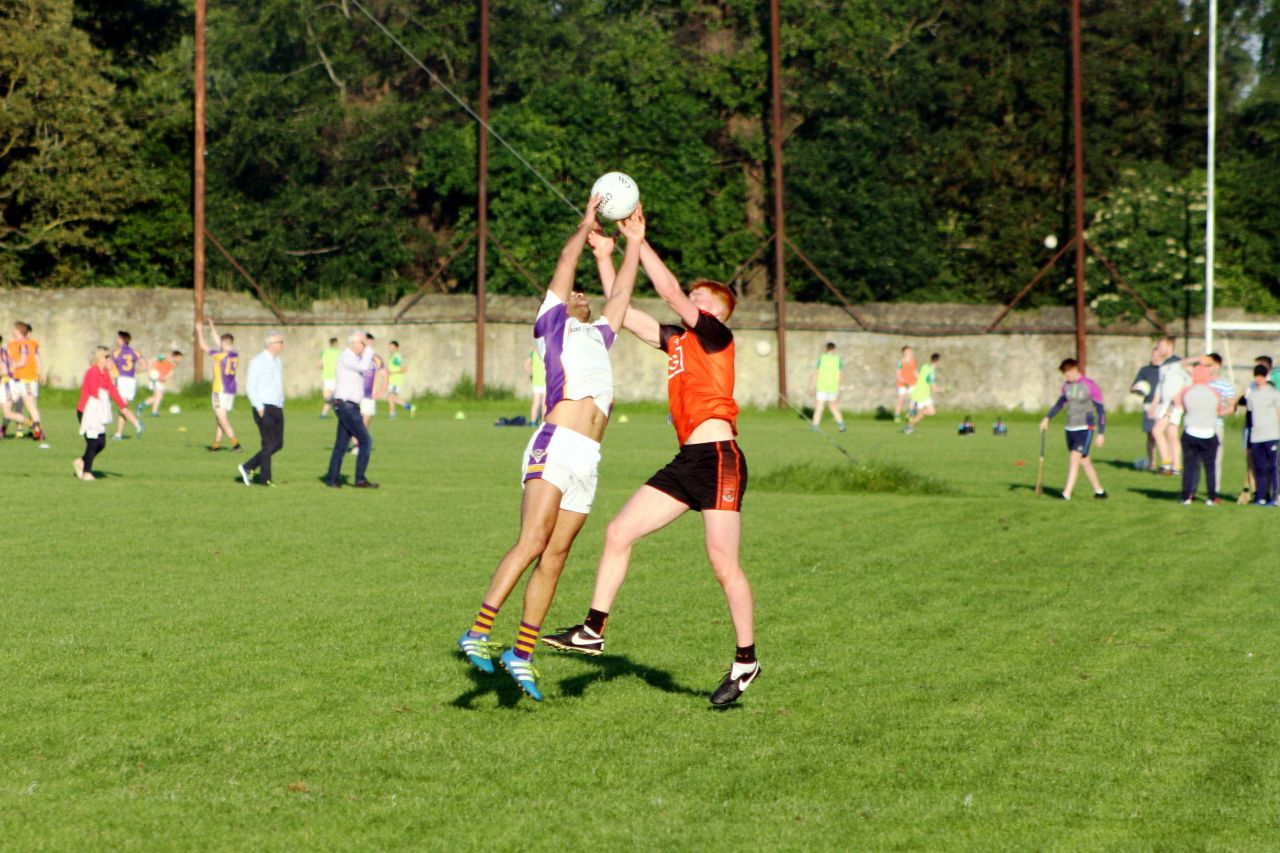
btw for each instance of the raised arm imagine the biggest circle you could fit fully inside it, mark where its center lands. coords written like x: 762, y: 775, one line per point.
x: 562, y: 279
x: 635, y: 321
x: 204, y: 346
x: 615, y: 307
x: 667, y: 285
x: 213, y: 330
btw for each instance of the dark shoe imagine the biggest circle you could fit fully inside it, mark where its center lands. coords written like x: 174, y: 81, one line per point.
x: 736, y: 680
x: 332, y: 485
x: 364, y: 484
x: 1102, y: 495
x: 576, y: 639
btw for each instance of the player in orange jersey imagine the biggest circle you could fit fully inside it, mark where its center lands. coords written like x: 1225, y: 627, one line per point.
x: 708, y: 475
x: 905, y: 379
x: 28, y: 373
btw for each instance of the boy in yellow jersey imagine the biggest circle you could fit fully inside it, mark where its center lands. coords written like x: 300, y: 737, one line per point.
x: 536, y: 370
x: 826, y: 385
x: 226, y: 367
x: 28, y: 374
x: 395, y: 382
x: 922, y: 394
x: 329, y: 374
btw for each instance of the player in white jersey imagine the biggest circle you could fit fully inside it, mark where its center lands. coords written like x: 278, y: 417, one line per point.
x: 560, y: 461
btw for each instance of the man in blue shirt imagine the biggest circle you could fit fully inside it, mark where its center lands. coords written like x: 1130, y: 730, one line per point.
x: 266, y: 395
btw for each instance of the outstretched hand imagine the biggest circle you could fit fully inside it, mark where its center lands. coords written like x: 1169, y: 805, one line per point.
x: 633, y: 226
x: 601, y: 243
x: 589, y: 215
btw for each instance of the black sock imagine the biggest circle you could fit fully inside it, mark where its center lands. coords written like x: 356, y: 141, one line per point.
x: 745, y: 654
x: 595, y: 620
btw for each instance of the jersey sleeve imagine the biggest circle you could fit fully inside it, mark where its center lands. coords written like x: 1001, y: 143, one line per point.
x: 606, y: 331
x: 551, y: 316
x: 666, y: 332
x: 714, y: 335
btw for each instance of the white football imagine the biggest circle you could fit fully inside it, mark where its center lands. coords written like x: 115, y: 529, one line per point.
x: 619, y: 195
x: 154, y: 374
x: 763, y: 347
x: 175, y: 409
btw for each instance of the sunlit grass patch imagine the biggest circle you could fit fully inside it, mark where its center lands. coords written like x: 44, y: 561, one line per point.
x: 871, y: 475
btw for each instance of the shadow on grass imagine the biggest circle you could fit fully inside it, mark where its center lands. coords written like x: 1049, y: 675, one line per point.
x: 1049, y: 492
x: 612, y: 667
x: 1160, y: 494
x: 1122, y: 465
x: 483, y: 683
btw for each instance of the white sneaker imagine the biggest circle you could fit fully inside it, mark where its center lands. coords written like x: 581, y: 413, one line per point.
x: 245, y: 475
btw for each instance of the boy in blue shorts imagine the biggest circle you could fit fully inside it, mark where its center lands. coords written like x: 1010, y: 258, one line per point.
x: 1082, y: 398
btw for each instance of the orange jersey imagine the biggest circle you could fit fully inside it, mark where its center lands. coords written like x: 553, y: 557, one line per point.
x: 163, y: 369
x: 907, y: 373
x: 699, y: 374
x: 25, y: 348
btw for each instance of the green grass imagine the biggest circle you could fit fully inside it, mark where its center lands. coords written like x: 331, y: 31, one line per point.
x: 189, y: 664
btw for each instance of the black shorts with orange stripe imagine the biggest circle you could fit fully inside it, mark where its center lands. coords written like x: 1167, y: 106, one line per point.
x: 711, y: 475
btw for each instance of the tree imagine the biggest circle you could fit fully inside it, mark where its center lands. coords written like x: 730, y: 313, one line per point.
x: 64, y: 151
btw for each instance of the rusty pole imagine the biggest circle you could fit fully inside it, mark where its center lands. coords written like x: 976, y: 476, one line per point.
x: 1077, y: 108
x: 780, y: 236
x: 198, y: 191
x: 482, y: 193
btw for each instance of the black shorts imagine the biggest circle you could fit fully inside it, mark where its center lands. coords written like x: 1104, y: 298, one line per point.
x: 712, y: 475
x: 1080, y: 440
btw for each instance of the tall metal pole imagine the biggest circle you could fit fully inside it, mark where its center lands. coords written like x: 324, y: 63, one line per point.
x: 1209, y: 177
x: 482, y: 191
x: 198, y: 201
x: 1077, y: 107
x: 780, y: 238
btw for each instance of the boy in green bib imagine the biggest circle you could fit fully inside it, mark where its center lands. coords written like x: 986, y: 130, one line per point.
x: 826, y: 385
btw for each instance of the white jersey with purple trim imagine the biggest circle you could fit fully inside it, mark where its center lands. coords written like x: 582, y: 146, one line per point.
x: 576, y: 355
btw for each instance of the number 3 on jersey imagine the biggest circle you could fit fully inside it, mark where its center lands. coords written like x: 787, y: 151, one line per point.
x: 675, y: 360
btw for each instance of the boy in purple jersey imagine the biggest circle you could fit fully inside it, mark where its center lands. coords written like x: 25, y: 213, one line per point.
x: 125, y: 363
x: 560, y: 465
x: 1082, y: 399
x: 226, y: 366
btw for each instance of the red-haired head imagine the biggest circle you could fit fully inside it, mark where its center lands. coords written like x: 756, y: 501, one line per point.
x: 713, y: 297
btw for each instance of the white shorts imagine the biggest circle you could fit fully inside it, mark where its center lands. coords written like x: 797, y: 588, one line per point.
x: 1173, y: 416
x: 157, y: 386
x: 330, y: 385
x: 828, y: 396
x: 923, y: 404
x: 538, y: 389
x: 226, y: 402
x: 904, y: 390
x: 567, y: 460
x: 20, y: 387
x: 13, y: 391
x: 128, y: 387
x: 368, y: 407
x: 393, y: 389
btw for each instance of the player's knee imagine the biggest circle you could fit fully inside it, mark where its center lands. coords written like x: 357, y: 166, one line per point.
x: 551, y: 563
x: 725, y: 566
x: 618, y: 535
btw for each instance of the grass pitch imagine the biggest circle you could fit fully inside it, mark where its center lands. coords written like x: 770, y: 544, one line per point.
x: 189, y: 664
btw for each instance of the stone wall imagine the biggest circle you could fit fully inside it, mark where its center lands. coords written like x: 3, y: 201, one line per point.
x: 1012, y: 369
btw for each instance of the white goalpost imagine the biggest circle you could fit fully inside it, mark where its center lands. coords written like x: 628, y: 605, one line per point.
x: 1211, y: 325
